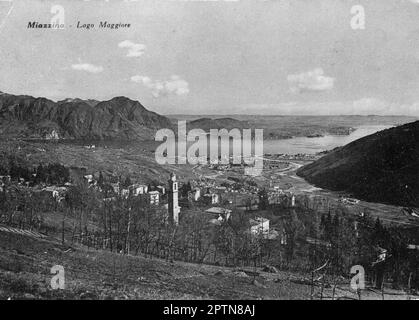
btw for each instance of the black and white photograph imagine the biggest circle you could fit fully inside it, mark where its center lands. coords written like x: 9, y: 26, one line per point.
x: 230, y: 151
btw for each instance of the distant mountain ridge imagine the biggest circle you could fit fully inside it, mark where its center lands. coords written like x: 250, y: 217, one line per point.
x: 218, y: 123
x: 383, y: 167
x: 119, y: 118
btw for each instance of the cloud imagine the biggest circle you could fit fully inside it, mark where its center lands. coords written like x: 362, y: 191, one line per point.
x: 313, y: 80
x: 87, y: 67
x: 134, y: 49
x: 175, y: 85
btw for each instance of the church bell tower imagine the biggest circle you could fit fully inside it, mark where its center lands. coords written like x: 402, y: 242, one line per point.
x: 173, y: 204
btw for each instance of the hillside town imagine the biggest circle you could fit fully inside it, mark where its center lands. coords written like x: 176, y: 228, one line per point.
x: 219, y: 201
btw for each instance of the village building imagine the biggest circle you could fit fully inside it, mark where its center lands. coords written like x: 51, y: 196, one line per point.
x: 259, y: 226
x: 412, y: 212
x: 89, y: 178
x: 219, y: 213
x: 275, y: 197
x: 154, y: 197
x: 196, y: 194
x: 125, y: 193
x: 211, y: 198
x: 161, y: 189
x: 58, y: 193
x: 137, y: 189
x: 110, y: 199
x: 221, y: 189
x: 412, y: 247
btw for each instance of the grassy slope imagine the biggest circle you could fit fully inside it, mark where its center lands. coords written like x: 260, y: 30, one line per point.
x: 25, y: 264
x: 25, y: 273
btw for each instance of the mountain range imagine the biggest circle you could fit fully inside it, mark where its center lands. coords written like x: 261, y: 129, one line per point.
x: 119, y: 118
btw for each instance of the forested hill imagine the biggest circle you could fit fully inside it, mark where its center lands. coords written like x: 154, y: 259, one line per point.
x: 383, y: 167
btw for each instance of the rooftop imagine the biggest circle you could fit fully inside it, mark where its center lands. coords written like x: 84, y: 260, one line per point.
x: 258, y: 220
x: 217, y: 210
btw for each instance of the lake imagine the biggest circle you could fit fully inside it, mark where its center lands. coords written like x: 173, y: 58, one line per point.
x: 286, y: 146
x: 313, y: 145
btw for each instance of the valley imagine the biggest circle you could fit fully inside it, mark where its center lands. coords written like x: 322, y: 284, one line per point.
x: 84, y: 176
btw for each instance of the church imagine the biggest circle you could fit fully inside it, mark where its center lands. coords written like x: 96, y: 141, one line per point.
x: 173, y: 200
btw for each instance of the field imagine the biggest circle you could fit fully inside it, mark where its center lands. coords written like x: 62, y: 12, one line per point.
x: 118, y: 159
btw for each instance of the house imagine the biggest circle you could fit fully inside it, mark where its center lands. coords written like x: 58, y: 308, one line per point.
x: 221, y: 214
x: 211, y: 198
x: 275, y: 197
x: 57, y: 193
x: 197, y: 194
x: 110, y: 199
x: 221, y: 189
x: 215, y: 198
x: 412, y: 212
x: 89, y: 178
x: 349, y: 201
x: 154, y: 197
x: 161, y: 189
x: 194, y: 195
x: 137, y: 189
x: 259, y: 226
x: 125, y: 193
x: 382, y: 255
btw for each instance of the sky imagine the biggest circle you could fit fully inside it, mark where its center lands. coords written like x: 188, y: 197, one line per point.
x: 268, y: 57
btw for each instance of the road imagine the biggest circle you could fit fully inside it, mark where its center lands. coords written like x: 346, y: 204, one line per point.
x: 287, y: 179
x: 387, y: 213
